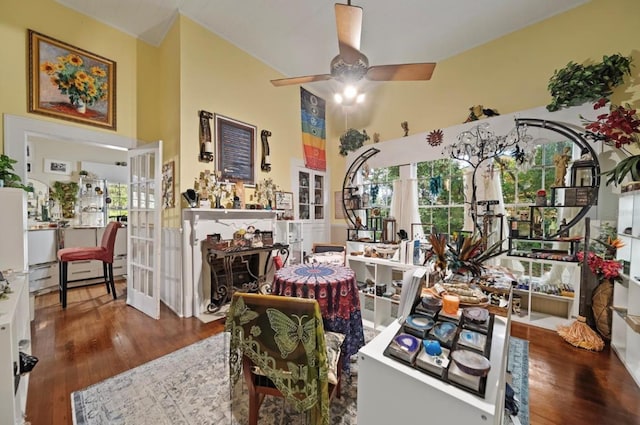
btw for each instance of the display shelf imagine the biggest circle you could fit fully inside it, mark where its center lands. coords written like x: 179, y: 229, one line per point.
x: 625, y: 340
x: 392, y: 392
x: 378, y: 311
x: 540, y: 308
x: 92, y: 202
x: 290, y: 232
x: 15, y: 336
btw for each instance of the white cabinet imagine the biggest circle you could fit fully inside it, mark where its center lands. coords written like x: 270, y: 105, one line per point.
x: 43, y: 261
x: 15, y: 336
x: 390, y: 392
x: 13, y: 228
x: 625, y: 332
x: 290, y: 232
x: 310, y: 191
x: 378, y: 311
x: 549, y: 291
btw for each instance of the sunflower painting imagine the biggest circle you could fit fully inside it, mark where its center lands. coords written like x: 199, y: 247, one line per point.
x: 70, y: 83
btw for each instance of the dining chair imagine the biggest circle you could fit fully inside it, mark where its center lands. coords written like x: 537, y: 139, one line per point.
x: 280, y: 345
x: 103, y: 252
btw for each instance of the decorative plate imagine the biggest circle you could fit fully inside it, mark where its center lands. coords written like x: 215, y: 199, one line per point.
x: 476, y: 314
x: 471, y: 363
x: 407, y: 342
x: 420, y: 322
x: 444, y: 330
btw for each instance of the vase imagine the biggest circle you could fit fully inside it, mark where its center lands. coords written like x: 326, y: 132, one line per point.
x: 80, y: 106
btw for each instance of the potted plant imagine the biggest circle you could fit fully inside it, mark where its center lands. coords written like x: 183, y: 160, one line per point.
x: 8, y: 178
x: 576, y: 84
x: 620, y: 127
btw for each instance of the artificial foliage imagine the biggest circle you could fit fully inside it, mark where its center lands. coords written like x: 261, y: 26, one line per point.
x: 352, y: 140
x: 8, y: 176
x: 65, y: 193
x: 576, y: 83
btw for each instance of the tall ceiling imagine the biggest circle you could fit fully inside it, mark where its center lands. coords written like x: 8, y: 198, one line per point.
x: 298, y: 37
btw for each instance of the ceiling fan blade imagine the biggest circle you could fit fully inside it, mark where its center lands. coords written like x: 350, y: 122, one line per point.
x: 300, y: 80
x: 349, y: 25
x: 403, y: 72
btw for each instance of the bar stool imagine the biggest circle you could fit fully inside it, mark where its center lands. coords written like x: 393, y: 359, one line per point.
x: 103, y: 253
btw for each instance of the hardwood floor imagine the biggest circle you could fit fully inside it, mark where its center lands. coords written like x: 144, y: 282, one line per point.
x: 96, y: 338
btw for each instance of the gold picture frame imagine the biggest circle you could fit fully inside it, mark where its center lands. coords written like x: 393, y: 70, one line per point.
x: 70, y: 83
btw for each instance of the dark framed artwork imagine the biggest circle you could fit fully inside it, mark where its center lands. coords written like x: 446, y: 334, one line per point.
x: 70, y: 83
x: 236, y: 147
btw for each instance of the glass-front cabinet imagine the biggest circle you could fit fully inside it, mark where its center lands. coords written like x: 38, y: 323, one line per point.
x: 92, y: 202
x: 311, y: 187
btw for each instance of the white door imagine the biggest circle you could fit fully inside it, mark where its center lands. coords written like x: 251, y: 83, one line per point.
x: 144, y: 222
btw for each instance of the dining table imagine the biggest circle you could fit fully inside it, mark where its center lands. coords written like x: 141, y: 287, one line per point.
x: 335, y: 288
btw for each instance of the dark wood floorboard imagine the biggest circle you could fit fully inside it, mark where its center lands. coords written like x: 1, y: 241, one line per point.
x: 96, y: 338
x: 93, y: 339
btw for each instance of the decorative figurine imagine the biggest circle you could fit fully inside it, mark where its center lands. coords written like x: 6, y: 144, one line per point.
x: 561, y: 160
x: 405, y: 128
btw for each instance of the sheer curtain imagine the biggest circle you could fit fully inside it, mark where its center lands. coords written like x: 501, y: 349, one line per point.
x: 404, y: 204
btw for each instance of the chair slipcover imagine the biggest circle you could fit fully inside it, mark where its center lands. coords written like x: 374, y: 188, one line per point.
x: 284, y: 337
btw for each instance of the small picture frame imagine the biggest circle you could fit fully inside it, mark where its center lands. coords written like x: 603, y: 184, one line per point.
x: 56, y: 166
x: 284, y: 200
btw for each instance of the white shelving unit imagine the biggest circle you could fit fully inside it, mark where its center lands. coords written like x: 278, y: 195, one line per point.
x: 290, y: 232
x: 15, y: 336
x: 379, y: 312
x: 542, y: 309
x: 625, y: 337
x: 390, y: 392
x: 92, y: 206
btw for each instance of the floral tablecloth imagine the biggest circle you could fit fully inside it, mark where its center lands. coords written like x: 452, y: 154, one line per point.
x: 335, y: 289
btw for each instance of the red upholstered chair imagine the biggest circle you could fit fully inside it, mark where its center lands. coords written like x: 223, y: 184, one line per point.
x: 103, y: 253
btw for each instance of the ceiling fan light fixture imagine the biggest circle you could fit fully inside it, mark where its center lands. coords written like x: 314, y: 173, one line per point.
x: 360, y: 98
x: 338, y: 98
x: 350, y: 92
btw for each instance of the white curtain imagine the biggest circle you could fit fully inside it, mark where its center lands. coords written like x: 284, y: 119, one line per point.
x: 404, y: 206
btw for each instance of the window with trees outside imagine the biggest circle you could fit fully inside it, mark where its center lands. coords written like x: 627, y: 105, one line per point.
x: 441, y: 195
x: 119, y: 204
x: 378, y: 185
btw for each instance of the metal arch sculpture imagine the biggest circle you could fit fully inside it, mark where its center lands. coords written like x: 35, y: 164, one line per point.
x: 348, y: 180
x: 579, y: 139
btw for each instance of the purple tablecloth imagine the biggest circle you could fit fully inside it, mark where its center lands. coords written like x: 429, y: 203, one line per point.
x: 335, y: 289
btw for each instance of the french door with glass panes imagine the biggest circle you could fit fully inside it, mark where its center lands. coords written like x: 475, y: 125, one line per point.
x: 312, y: 206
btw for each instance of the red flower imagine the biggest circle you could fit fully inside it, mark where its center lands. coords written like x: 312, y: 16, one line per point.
x: 604, y: 269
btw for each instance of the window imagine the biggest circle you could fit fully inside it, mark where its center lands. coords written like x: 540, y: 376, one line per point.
x: 441, y: 195
x: 378, y: 185
x: 119, y: 204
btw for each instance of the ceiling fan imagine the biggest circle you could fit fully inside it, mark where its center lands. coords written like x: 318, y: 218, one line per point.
x: 351, y: 64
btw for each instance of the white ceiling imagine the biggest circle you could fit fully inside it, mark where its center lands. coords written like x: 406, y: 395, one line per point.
x: 298, y: 37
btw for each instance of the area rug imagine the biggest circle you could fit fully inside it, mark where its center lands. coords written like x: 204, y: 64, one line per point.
x: 190, y: 387
x: 518, y: 365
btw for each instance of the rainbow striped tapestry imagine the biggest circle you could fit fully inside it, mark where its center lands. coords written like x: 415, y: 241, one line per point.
x: 314, y: 134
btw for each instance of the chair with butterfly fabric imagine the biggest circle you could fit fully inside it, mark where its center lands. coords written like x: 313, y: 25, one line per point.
x: 279, y: 345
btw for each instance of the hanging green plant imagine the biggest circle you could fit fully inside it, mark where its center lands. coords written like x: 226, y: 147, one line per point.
x: 576, y: 84
x: 351, y: 140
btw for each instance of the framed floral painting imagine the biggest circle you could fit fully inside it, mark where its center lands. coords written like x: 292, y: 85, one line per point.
x: 71, y: 83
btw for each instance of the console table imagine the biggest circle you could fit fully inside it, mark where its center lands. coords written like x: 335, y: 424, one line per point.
x: 223, y: 286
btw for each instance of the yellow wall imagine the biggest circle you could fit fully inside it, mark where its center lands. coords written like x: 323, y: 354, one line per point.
x: 217, y: 77
x: 49, y: 18
x: 161, y: 89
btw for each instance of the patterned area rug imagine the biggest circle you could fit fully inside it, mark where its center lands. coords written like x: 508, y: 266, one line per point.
x: 191, y: 387
x: 518, y: 365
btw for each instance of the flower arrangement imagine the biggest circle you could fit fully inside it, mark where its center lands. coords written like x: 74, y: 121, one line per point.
x: 620, y: 127
x: 603, y: 269
x: 71, y: 76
